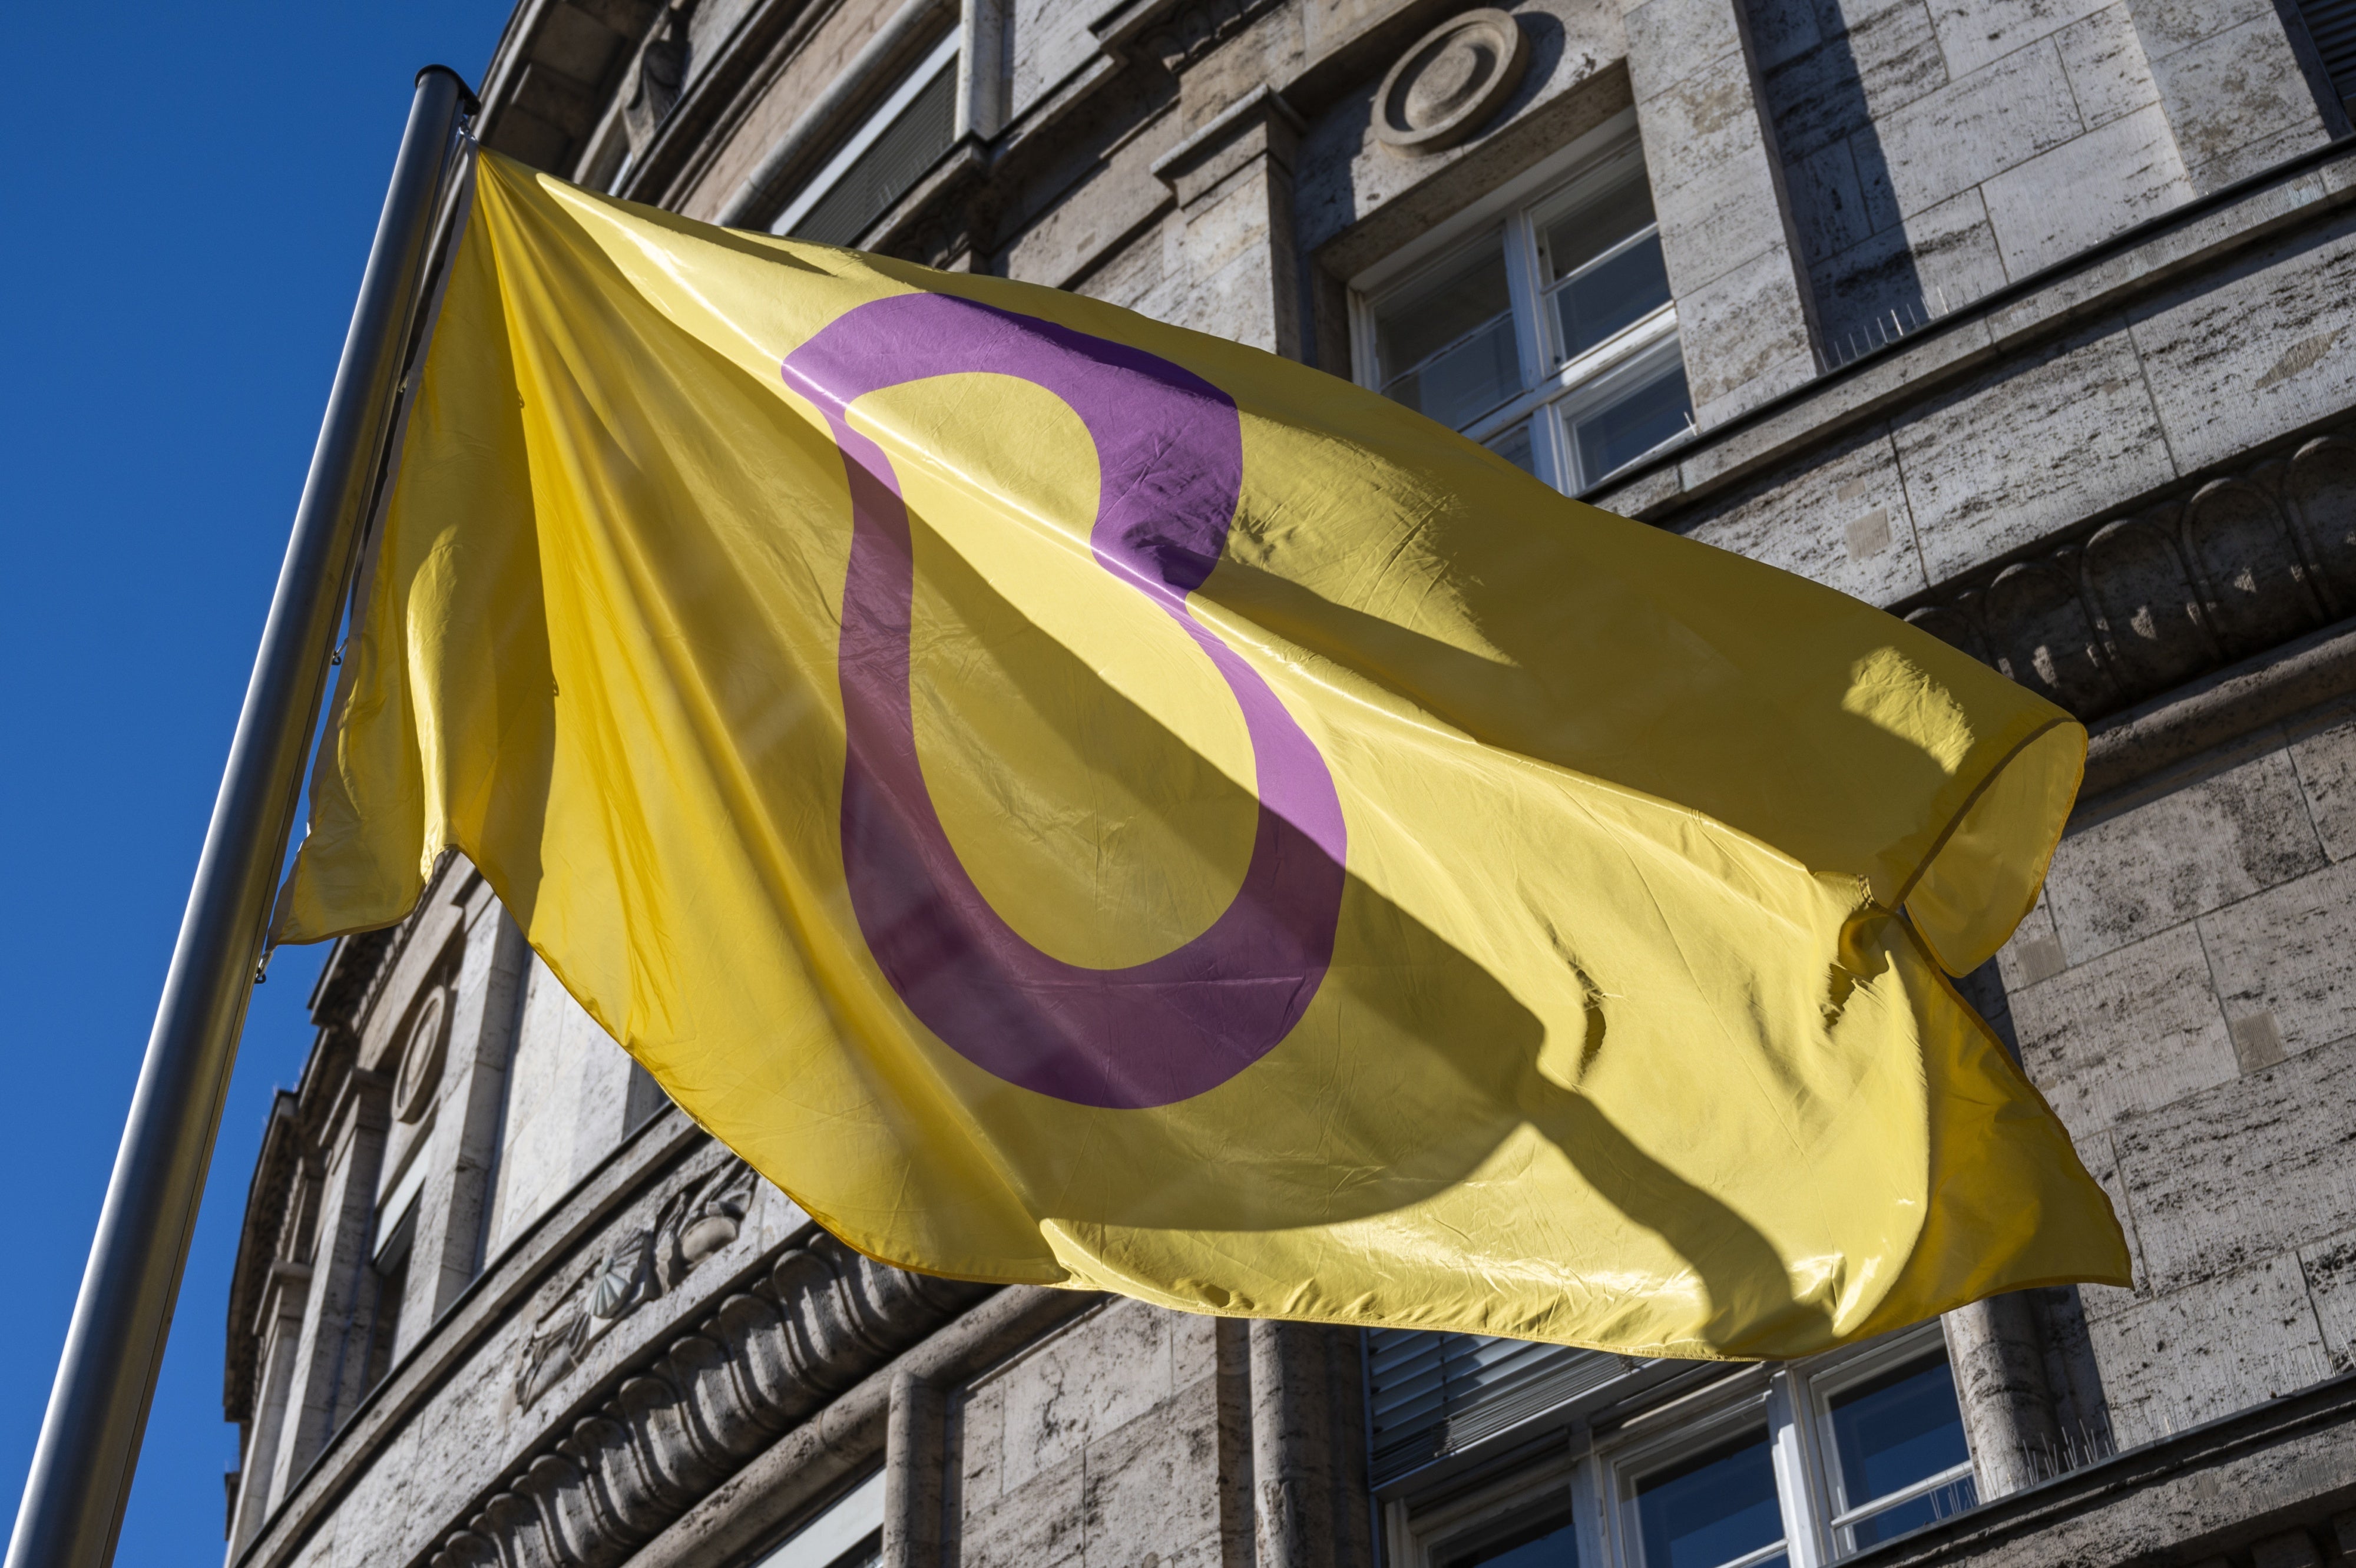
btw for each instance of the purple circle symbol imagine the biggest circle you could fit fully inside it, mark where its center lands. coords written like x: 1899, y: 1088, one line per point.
x: 1170, y: 459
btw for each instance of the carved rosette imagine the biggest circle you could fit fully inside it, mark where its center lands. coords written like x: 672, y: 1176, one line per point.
x: 423, y: 1053
x: 1450, y: 83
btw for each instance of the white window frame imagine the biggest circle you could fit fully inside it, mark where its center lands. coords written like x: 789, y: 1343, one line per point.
x: 1822, y: 1385
x: 939, y: 59
x: 1419, y: 1539
x: 834, y: 1530
x: 1791, y: 1401
x: 1552, y: 394
x: 1704, y: 1421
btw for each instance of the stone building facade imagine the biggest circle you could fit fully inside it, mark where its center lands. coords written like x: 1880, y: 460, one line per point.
x: 2033, y: 322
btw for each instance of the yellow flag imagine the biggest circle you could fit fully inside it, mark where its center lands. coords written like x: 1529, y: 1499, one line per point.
x: 1078, y: 801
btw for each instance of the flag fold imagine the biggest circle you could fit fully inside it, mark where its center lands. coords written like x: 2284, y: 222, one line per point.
x: 1072, y: 801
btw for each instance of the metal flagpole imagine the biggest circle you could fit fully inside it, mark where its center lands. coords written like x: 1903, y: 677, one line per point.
x: 81, y: 1471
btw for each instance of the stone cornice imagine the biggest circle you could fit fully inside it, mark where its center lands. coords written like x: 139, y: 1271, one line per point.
x: 686, y: 1417
x: 507, y: 1284
x: 2223, y: 567
x: 2238, y: 700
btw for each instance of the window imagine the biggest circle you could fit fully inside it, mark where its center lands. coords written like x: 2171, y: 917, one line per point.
x: 1541, y: 1538
x: 1528, y: 1520
x: 1895, y: 1451
x: 372, y: 1328
x: 1547, y: 332
x: 388, y: 1284
x: 884, y: 158
x: 1718, y: 1508
x: 1796, y: 1467
x: 2332, y: 24
x: 848, y: 1533
x: 1433, y: 1395
x: 644, y: 1099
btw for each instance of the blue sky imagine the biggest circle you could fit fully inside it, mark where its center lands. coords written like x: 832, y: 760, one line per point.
x: 186, y: 213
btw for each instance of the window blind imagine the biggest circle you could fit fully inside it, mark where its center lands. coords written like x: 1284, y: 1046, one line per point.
x: 879, y: 177
x: 1431, y: 1395
x: 2332, y: 24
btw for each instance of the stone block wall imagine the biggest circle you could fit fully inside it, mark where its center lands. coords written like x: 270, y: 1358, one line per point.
x: 1116, y: 1443
x: 1724, y: 234
x: 1936, y: 150
x: 2185, y: 995
x: 568, y: 1106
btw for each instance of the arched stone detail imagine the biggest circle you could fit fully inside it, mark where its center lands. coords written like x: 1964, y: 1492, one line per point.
x: 2039, y: 629
x: 2121, y: 610
x: 2318, y: 491
x: 1950, y: 625
x: 2153, y: 625
x: 2250, y: 569
x: 690, y: 1414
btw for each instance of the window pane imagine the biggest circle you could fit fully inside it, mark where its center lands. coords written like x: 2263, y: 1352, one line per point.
x: 848, y: 1534
x: 1632, y: 422
x: 868, y: 1553
x: 1446, y: 348
x: 1900, y: 1428
x: 1584, y: 232
x: 392, y: 1281
x: 1545, y: 1542
x: 882, y: 174
x: 1611, y: 295
x: 1914, y: 1513
x: 1515, y: 448
x: 1467, y: 380
x: 1413, y: 325
x: 1712, y: 1508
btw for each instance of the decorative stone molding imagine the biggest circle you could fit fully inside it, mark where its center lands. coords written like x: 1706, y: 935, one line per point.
x: 703, y: 1216
x: 422, y: 1055
x: 684, y: 1420
x: 657, y: 78
x: 1177, y: 36
x: 1450, y: 82
x: 1258, y: 125
x: 259, y: 1257
x: 2133, y: 608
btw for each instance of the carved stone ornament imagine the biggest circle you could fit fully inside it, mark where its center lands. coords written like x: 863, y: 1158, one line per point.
x: 689, y: 1414
x: 1190, y: 32
x: 1455, y: 77
x: 2104, y: 619
x: 694, y: 1223
x: 421, y: 1056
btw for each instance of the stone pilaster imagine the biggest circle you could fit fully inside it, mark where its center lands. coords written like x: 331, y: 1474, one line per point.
x: 452, y: 1209
x: 2237, y: 92
x: 1742, y: 312
x: 916, y: 1464
x: 1999, y: 1356
x: 325, y: 1382
x: 283, y: 1311
x: 1307, y: 1439
x: 1233, y: 230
